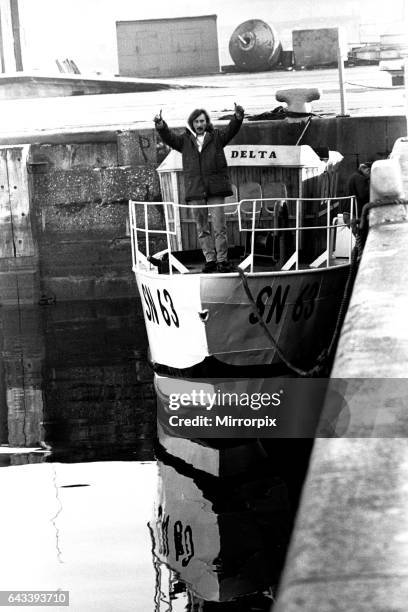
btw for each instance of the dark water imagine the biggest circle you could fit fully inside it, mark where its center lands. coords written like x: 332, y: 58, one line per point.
x: 94, y: 504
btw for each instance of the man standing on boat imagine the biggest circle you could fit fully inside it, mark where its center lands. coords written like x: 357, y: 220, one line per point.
x: 359, y: 186
x: 206, y: 178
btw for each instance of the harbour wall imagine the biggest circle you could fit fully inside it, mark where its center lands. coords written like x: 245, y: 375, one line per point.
x: 348, y: 549
x: 63, y: 197
x: 71, y: 376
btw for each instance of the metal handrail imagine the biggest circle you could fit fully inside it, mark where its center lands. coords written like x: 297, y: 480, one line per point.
x: 138, y: 256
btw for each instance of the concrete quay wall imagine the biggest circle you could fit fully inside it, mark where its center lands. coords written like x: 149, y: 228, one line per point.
x: 42, y: 86
x: 349, y: 547
x: 78, y: 186
x: 80, y: 195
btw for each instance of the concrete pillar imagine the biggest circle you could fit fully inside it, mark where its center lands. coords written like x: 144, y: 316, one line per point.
x: 10, y: 40
x: 349, y: 549
x: 19, y: 277
x: 15, y: 24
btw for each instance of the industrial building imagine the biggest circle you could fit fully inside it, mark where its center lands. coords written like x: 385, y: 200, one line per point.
x: 168, y: 47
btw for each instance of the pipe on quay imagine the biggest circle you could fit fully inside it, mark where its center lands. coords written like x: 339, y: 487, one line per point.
x: 349, y: 550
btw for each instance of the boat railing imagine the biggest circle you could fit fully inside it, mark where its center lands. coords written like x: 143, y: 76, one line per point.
x: 250, y: 210
x: 285, y: 216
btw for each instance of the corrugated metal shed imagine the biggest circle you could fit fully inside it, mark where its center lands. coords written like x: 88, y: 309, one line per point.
x: 168, y: 47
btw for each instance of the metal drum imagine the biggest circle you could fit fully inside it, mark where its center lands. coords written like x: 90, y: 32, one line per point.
x: 254, y: 46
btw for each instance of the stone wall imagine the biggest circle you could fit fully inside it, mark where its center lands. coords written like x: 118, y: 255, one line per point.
x: 74, y: 376
x: 80, y: 195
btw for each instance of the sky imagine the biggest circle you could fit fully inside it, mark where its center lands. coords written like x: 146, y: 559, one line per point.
x: 85, y: 31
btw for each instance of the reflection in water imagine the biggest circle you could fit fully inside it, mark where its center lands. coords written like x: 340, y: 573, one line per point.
x: 90, y: 540
x: 74, y: 390
x: 74, y: 380
x: 22, y: 352
x: 221, y: 540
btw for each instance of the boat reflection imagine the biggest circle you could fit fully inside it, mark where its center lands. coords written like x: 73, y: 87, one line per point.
x: 221, y: 539
x: 225, y: 506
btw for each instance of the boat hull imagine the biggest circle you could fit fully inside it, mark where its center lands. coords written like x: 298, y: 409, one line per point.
x: 207, y: 320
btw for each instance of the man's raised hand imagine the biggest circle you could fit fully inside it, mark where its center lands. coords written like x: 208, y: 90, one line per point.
x: 238, y: 111
x: 158, y: 120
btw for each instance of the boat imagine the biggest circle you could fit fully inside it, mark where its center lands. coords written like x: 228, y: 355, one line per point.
x: 276, y: 312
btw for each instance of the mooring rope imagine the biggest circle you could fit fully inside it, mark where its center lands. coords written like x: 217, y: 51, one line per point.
x: 326, y: 354
x: 252, y: 302
x: 362, y: 225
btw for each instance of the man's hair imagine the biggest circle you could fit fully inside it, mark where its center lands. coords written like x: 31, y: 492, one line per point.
x: 196, y: 113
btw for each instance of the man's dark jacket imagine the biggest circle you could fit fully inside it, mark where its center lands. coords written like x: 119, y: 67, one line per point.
x: 205, y: 173
x: 359, y: 185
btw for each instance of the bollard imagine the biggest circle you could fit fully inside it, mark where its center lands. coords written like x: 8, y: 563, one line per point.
x: 386, y: 181
x: 298, y: 99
